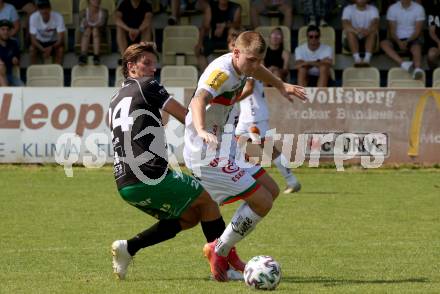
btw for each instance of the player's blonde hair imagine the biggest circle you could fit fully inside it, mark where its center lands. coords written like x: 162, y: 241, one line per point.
x: 134, y: 52
x: 251, y: 42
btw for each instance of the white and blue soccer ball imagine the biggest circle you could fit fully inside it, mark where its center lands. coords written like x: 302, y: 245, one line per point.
x: 262, y: 272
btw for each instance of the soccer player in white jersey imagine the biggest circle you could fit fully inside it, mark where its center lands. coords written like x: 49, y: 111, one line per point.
x: 219, y: 87
x: 254, y: 122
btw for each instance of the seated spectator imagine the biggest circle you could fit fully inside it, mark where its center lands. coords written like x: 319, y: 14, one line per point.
x: 218, y: 18
x: 134, y: 23
x: 405, y: 24
x: 313, y: 60
x: 361, y: 26
x: 8, y: 12
x: 277, y: 58
x: 180, y: 6
x: 9, y: 55
x: 315, y: 12
x: 92, y: 22
x: 28, y: 7
x: 266, y: 7
x: 47, y: 33
x: 433, y: 9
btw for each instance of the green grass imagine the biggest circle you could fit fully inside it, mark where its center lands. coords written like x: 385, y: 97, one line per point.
x: 345, y: 232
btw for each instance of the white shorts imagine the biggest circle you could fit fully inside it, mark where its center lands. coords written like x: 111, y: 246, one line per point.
x: 227, y: 182
x: 244, y: 128
x: 255, y: 171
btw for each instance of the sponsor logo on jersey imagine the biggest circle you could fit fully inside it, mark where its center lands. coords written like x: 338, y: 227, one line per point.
x: 216, y: 79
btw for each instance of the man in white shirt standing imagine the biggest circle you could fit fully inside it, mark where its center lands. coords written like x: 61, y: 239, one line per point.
x: 361, y: 24
x: 405, y: 24
x: 47, y: 33
x: 313, y: 60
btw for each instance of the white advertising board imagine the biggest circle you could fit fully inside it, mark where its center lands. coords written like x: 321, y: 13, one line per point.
x: 33, y: 120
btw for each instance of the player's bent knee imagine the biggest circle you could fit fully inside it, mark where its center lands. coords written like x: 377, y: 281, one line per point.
x: 207, y: 208
x: 261, y: 201
x: 275, y: 192
x: 190, y: 218
x: 268, y: 182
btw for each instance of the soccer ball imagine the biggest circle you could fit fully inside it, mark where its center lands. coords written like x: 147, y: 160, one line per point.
x: 262, y: 272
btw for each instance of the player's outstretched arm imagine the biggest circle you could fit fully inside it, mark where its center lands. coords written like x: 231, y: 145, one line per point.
x: 176, y: 109
x: 286, y: 89
x: 247, y: 90
x: 198, y: 110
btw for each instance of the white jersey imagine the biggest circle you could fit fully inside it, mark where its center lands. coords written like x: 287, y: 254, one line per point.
x: 222, y: 81
x: 254, y: 108
x: 405, y: 18
x: 360, y: 18
x: 304, y: 53
x: 46, y: 31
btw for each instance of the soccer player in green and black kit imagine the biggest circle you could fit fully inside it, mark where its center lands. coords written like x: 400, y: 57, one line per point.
x: 141, y: 170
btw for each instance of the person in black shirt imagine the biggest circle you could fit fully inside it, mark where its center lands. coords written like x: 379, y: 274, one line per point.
x: 433, y: 10
x: 277, y: 58
x: 141, y: 170
x: 218, y: 18
x: 9, y: 56
x: 134, y: 23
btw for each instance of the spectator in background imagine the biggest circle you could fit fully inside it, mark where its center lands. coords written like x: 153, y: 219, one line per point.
x: 47, y: 33
x: 92, y: 22
x: 8, y: 12
x: 361, y: 26
x: 9, y: 56
x: 134, y: 23
x: 405, y: 24
x: 218, y: 18
x: 265, y: 7
x: 179, y: 6
x: 315, y: 11
x: 433, y: 9
x: 28, y: 7
x: 313, y: 60
x: 277, y: 59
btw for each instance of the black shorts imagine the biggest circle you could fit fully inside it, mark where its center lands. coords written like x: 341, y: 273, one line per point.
x: 135, y: 41
x: 429, y: 42
x: 46, y: 44
x: 418, y: 41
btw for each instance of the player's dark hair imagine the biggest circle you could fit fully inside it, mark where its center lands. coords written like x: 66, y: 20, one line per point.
x: 134, y: 52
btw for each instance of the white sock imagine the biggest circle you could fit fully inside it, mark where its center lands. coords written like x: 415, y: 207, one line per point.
x: 285, y: 171
x: 406, y: 65
x: 242, y: 223
x: 367, y: 57
x: 357, y: 58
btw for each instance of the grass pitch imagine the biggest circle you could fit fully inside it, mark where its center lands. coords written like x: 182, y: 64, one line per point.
x: 357, y: 231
